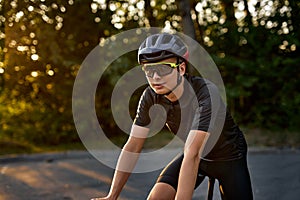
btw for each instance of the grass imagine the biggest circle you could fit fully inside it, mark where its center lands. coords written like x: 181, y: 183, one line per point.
x: 267, y: 138
x: 16, y: 147
x: 254, y: 137
x: 154, y: 141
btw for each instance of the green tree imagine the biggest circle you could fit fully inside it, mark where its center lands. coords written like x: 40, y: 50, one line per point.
x: 255, y: 44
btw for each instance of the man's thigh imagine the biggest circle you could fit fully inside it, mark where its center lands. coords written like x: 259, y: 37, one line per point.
x: 234, y: 180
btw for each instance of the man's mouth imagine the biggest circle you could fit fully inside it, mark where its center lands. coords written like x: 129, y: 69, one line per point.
x: 158, y: 85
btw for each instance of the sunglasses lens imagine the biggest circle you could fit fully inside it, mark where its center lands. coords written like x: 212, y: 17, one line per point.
x: 149, y: 71
x: 164, y: 70
x: 160, y: 69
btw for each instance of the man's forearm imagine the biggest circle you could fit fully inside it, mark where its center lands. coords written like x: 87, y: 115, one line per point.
x: 119, y: 180
x: 125, y: 165
x: 189, y: 168
x: 187, y: 178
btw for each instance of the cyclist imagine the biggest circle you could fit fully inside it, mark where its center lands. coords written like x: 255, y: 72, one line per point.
x: 193, y: 112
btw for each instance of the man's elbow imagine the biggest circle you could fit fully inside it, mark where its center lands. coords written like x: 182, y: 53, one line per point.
x: 193, y: 154
x: 195, y: 144
x: 134, y: 145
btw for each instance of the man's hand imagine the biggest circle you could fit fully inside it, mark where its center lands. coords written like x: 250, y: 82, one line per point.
x: 103, y: 198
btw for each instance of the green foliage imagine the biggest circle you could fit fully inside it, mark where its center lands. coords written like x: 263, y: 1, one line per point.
x: 259, y: 62
x: 35, y: 123
x: 46, y: 41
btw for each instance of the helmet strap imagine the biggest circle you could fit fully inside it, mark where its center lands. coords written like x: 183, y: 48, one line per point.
x: 179, y: 80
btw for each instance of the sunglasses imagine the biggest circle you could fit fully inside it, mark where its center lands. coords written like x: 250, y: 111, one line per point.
x: 162, y: 69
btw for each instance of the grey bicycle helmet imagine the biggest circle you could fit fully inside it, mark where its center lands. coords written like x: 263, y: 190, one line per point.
x: 161, y: 46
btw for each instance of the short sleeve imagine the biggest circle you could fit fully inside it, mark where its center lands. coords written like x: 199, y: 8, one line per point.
x: 142, y: 115
x: 208, y: 114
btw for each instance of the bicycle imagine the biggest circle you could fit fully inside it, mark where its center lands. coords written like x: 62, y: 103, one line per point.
x: 211, y: 184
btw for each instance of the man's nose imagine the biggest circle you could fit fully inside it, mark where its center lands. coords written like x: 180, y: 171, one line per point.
x: 156, y: 75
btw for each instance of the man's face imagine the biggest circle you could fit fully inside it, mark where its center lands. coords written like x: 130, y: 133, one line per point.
x: 162, y: 77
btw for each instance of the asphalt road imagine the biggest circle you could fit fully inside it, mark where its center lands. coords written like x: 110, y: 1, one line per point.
x: 79, y: 176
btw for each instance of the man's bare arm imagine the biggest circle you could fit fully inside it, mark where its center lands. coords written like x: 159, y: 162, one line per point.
x: 127, y: 160
x: 190, y: 164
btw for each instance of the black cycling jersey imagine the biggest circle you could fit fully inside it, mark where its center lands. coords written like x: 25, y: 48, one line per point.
x: 199, y: 108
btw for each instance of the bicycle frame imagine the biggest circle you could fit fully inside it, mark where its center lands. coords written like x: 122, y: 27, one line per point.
x: 211, y: 183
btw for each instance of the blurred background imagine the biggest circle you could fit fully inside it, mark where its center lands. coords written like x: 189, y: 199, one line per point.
x: 255, y: 44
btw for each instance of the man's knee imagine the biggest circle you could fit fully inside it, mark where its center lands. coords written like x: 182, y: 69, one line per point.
x: 159, y: 196
x: 162, y: 191
x: 156, y: 197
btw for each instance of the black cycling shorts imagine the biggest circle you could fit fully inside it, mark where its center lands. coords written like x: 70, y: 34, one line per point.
x: 233, y: 176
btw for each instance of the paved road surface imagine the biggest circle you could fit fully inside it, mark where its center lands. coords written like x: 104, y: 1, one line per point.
x: 78, y: 176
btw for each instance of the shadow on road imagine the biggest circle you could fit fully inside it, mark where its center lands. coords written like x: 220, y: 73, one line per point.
x: 78, y: 176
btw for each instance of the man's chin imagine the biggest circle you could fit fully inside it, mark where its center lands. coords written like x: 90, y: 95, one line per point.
x: 161, y: 92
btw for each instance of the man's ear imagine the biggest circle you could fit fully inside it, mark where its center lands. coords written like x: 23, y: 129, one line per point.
x: 182, y: 68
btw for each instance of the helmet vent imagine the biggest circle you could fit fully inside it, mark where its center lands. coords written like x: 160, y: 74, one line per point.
x: 167, y: 39
x: 154, y: 40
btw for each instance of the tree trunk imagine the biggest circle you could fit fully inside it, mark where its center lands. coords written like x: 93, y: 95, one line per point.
x: 149, y: 13
x: 184, y: 7
x: 2, y: 43
x: 187, y: 22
